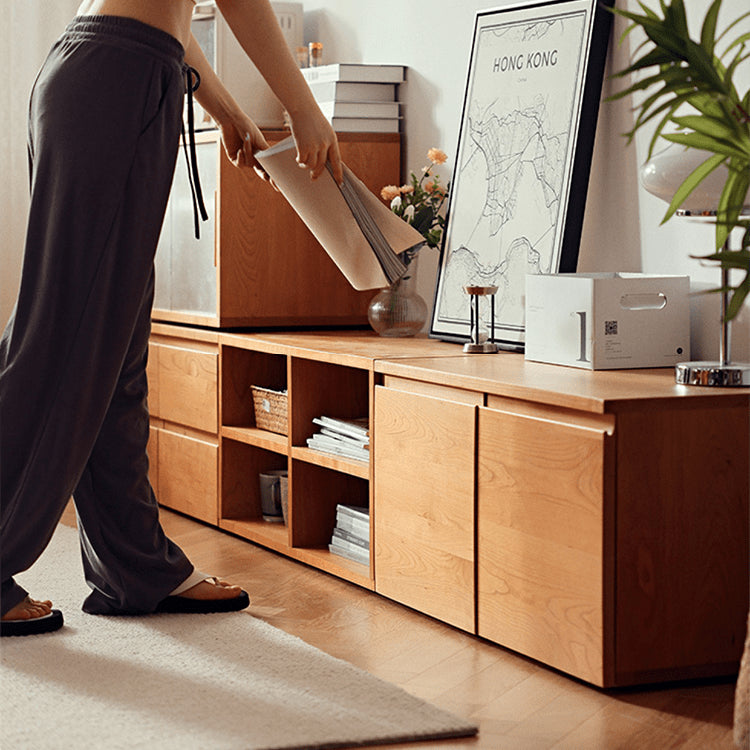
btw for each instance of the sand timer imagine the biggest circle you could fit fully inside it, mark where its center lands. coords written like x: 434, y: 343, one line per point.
x: 482, y: 331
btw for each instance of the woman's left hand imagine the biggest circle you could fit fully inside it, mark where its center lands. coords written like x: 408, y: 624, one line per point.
x: 242, y: 138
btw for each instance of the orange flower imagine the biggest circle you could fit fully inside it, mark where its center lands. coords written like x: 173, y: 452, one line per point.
x: 436, y: 156
x: 407, y: 189
x: 389, y: 192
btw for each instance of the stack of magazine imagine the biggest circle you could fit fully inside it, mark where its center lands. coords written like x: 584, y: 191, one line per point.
x: 351, y: 537
x: 349, y: 438
x: 355, y: 227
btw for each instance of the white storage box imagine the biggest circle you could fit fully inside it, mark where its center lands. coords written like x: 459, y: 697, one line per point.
x: 607, y: 321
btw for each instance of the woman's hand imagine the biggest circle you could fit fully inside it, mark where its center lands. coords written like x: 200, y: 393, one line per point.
x: 316, y: 144
x: 242, y: 138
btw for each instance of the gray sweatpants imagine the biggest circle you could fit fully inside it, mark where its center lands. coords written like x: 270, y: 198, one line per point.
x: 105, y: 119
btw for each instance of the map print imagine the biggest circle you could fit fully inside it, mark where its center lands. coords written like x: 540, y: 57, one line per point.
x: 514, y: 157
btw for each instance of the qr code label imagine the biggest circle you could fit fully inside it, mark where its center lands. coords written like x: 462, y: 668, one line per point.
x: 610, y: 328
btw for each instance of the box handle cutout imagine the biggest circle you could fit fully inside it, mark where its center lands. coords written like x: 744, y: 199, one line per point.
x: 643, y: 301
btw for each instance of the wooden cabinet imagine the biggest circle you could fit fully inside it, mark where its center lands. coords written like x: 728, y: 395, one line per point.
x: 256, y: 263
x: 326, y: 373
x: 183, y: 401
x: 594, y: 521
x: 611, y: 512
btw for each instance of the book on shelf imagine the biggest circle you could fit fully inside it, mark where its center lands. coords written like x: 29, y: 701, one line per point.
x: 350, y: 552
x: 365, y: 124
x: 346, y: 91
x: 357, y: 230
x: 353, y: 522
x: 355, y: 72
x: 333, y: 109
x: 361, y: 513
x: 325, y: 444
x: 357, y: 441
x: 344, y: 536
x: 351, y: 537
x: 344, y: 437
x: 358, y: 427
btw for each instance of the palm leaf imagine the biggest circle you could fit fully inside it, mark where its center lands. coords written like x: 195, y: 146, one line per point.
x: 708, y: 31
x: 706, y: 143
x: 691, y: 182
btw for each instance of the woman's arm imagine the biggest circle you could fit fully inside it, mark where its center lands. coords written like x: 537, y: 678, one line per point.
x: 239, y: 134
x: 254, y: 24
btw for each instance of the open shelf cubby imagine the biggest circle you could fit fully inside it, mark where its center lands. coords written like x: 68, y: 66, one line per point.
x: 318, y: 481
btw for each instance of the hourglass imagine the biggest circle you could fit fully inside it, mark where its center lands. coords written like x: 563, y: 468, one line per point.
x: 482, y: 333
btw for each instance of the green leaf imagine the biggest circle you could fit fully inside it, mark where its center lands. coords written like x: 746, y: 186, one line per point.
x: 709, y: 125
x: 691, y: 182
x: 739, y: 296
x: 734, y: 23
x: 730, y: 258
x: 706, y: 143
x: 708, y: 31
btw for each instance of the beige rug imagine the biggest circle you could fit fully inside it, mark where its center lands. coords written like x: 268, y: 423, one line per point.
x: 188, y: 681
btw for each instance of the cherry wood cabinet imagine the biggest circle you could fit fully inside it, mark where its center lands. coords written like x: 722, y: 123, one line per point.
x: 611, y: 512
x: 256, y: 263
x: 324, y: 373
x: 594, y: 521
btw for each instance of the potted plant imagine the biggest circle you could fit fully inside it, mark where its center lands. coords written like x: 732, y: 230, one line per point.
x: 689, y: 84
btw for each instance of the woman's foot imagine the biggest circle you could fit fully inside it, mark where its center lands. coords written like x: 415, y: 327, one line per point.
x: 30, y: 617
x: 212, y: 588
x: 210, y: 595
x: 28, y: 609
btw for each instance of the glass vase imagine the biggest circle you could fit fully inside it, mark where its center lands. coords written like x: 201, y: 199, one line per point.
x: 397, y: 310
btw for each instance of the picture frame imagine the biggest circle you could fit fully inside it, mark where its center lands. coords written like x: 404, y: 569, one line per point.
x: 523, y: 159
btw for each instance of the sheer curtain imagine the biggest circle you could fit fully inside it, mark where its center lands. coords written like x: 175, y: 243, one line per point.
x: 30, y: 27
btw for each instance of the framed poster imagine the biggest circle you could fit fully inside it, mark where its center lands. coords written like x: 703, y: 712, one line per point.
x: 524, y: 153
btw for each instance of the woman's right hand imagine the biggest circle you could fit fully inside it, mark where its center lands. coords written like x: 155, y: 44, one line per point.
x: 316, y: 144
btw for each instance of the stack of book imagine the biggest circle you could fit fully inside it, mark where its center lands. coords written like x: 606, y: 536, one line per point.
x: 351, y: 537
x: 356, y: 97
x: 349, y: 438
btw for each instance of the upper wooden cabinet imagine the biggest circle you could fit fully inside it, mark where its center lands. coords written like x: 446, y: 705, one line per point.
x: 256, y: 263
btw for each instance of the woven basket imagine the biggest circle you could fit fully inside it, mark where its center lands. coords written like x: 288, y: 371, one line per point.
x: 270, y: 409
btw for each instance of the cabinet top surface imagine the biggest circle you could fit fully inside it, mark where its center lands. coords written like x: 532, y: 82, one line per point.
x: 504, y: 374
x: 510, y: 375
x: 354, y: 348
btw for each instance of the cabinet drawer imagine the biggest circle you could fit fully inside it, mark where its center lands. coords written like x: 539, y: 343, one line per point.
x: 188, y: 474
x: 186, y: 385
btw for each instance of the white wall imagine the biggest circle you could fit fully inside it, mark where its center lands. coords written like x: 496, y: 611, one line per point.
x: 621, y: 228
x: 30, y: 27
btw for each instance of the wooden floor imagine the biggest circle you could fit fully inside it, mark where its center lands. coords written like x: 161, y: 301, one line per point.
x: 517, y: 703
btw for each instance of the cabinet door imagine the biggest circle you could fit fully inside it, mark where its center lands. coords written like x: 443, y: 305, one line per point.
x: 544, y: 491
x: 424, y: 504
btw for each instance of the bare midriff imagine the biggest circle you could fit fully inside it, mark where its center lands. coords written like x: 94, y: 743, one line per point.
x: 172, y: 16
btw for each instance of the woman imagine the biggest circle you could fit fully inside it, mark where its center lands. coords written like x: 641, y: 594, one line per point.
x: 105, y: 119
